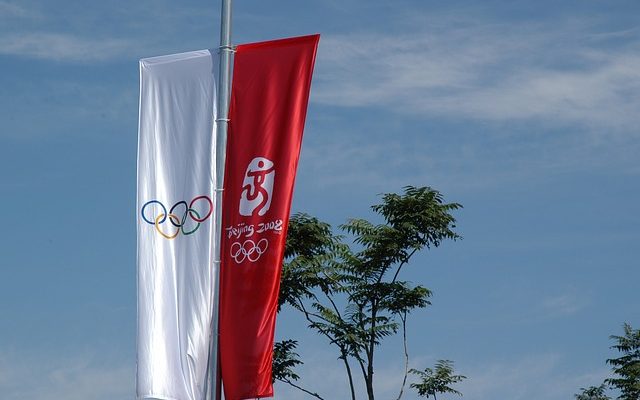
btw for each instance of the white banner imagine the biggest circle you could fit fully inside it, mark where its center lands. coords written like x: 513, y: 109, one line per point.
x: 175, y: 213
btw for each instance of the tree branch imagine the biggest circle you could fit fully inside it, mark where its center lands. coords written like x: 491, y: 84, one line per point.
x: 335, y: 307
x: 362, y: 327
x: 309, y: 314
x: 350, y: 376
x: 406, y: 353
x: 395, y: 276
x: 372, y: 343
x: 310, y: 393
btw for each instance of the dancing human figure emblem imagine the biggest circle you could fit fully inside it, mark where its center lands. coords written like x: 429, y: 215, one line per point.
x: 257, y: 187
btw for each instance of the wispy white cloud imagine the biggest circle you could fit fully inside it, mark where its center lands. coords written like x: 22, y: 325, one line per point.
x: 535, y: 100
x: 464, y: 161
x: 343, y: 161
x: 102, y: 33
x: 66, y: 106
x: 64, y: 47
x: 76, y: 378
x: 11, y: 10
x: 494, y: 72
x: 530, y: 377
x: 564, y: 304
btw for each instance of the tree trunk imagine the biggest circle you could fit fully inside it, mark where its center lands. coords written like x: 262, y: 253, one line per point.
x: 369, y: 377
x: 346, y: 365
x: 406, y: 354
x: 370, y: 385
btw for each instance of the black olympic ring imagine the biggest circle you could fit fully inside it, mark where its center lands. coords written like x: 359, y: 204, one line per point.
x: 174, y: 218
x: 249, y: 250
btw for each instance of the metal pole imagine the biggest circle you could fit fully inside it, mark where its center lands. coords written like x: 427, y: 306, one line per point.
x: 222, y: 122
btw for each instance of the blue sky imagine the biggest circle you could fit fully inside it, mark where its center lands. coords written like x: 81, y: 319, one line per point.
x: 524, y: 112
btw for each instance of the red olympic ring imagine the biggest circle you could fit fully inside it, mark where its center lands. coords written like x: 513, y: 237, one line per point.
x: 191, y: 208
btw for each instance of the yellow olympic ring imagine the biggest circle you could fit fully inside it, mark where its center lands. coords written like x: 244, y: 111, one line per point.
x: 174, y: 218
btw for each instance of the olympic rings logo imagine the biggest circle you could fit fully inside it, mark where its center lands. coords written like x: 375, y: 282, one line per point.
x: 249, y: 250
x: 187, y: 221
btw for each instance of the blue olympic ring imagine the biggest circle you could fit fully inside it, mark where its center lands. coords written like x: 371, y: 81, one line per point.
x: 164, y: 212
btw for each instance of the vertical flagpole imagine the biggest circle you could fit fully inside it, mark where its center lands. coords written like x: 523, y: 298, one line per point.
x: 222, y: 122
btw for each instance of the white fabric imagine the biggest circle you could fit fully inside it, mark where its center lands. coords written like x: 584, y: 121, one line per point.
x: 176, y: 165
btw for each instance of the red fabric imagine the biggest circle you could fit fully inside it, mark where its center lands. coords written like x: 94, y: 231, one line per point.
x: 269, y: 96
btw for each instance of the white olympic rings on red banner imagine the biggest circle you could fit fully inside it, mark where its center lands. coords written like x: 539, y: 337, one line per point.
x: 249, y: 250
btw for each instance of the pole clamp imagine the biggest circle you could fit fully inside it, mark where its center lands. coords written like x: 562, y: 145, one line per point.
x: 229, y: 48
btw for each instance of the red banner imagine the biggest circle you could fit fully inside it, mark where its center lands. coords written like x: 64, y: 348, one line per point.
x: 269, y: 96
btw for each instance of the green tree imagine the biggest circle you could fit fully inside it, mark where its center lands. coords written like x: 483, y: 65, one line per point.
x: 593, y: 393
x: 350, y: 291
x: 438, y: 380
x: 627, y: 366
